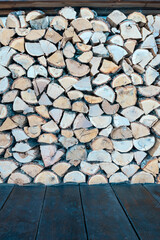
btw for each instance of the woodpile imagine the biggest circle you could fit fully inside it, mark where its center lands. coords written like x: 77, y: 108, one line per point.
x: 80, y: 97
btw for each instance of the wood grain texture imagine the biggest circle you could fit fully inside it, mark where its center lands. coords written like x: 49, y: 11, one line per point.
x: 20, y: 215
x: 142, y: 209
x: 5, y: 190
x: 105, y: 218
x: 62, y: 216
x: 154, y: 190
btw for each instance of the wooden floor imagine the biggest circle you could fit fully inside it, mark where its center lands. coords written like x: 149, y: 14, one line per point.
x: 80, y: 212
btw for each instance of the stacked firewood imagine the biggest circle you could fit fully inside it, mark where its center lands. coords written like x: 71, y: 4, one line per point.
x: 80, y: 97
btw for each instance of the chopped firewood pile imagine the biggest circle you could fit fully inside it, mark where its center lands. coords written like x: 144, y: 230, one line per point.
x: 80, y: 97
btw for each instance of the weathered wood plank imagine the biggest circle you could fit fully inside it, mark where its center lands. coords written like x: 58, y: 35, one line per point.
x: 20, y: 215
x: 142, y: 209
x: 5, y: 190
x: 105, y: 218
x: 154, y: 190
x: 62, y: 216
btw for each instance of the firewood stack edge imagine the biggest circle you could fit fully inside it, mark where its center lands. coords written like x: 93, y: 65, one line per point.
x: 80, y: 97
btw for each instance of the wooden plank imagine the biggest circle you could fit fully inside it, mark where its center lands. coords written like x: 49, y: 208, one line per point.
x: 62, y: 216
x: 104, y: 216
x: 20, y: 215
x: 142, y: 208
x: 102, y: 7
x: 154, y: 189
x: 5, y: 191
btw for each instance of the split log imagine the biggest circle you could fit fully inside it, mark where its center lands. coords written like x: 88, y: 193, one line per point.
x: 85, y: 57
x: 99, y: 156
x: 102, y: 142
x: 5, y: 140
x: 92, y: 99
x: 149, y: 91
x: 59, y: 23
x: 130, y: 45
x: 123, y: 146
x: 61, y: 168
x: 136, y: 79
x: 116, y: 52
x: 56, y: 59
x: 156, y: 128
x: 67, y: 133
x: 22, y: 83
x: 86, y: 135
x: 130, y: 170
x: 100, y: 51
x: 35, y: 120
x: 84, y: 84
x: 74, y: 176
x: 62, y: 102
x: 55, y: 72
x: 68, y: 142
x: 42, y: 61
x: 86, y: 13
x: 141, y: 57
x: 142, y: 177
x: 35, y: 14
x: 8, y: 53
x: 35, y: 35
x: 34, y: 49
x: 150, y: 43
x: 43, y: 111
x: 4, y: 85
x: 3, y: 111
x: 139, y: 130
x: 155, y: 150
x: 122, y: 159
x: 12, y: 21
x: 150, y: 75
x: 101, y: 79
x: 16, y: 70
x: 4, y: 72
x: 29, y: 96
x: 98, y: 37
x: 19, y: 134
x: 67, y: 119
x: 108, y: 108
x: 137, y: 17
x: 139, y: 156
x: 129, y: 29
x: 50, y: 126
x: 8, y: 124
x: 150, y: 166
x: 132, y: 113
x: 118, y: 178
x: 119, y: 121
x: 121, y: 133
x: 116, y: 17
x: 120, y: 80
x: 95, y: 110
x: 79, y: 106
x: 109, y: 168
x: 149, y: 104
x: 67, y: 82
x: 81, y: 122
x: 105, y: 92
x: 40, y: 84
x: 19, y: 178
x: 24, y: 60
x: 37, y: 70
x: 106, y: 131
x: 48, y: 138
x: 56, y: 114
x: 148, y: 120
x: 76, y: 154
x: 47, y: 47
x: 95, y: 63
x: 32, y: 169
x: 53, y: 36
x: 109, y: 67
x: 101, y: 121
x: 81, y: 24
x: 76, y: 69
x: 7, y: 167
x: 18, y: 44
x: 19, y: 119
x: 68, y: 13
x: 117, y: 40
x: 126, y: 96
x: 47, y: 178
x: 100, y: 26
x: 33, y: 132
x: 22, y: 32
x: 54, y: 90
x: 75, y: 94
x: 6, y: 35
x: 69, y: 50
x: 97, y: 179
x: 144, y: 144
